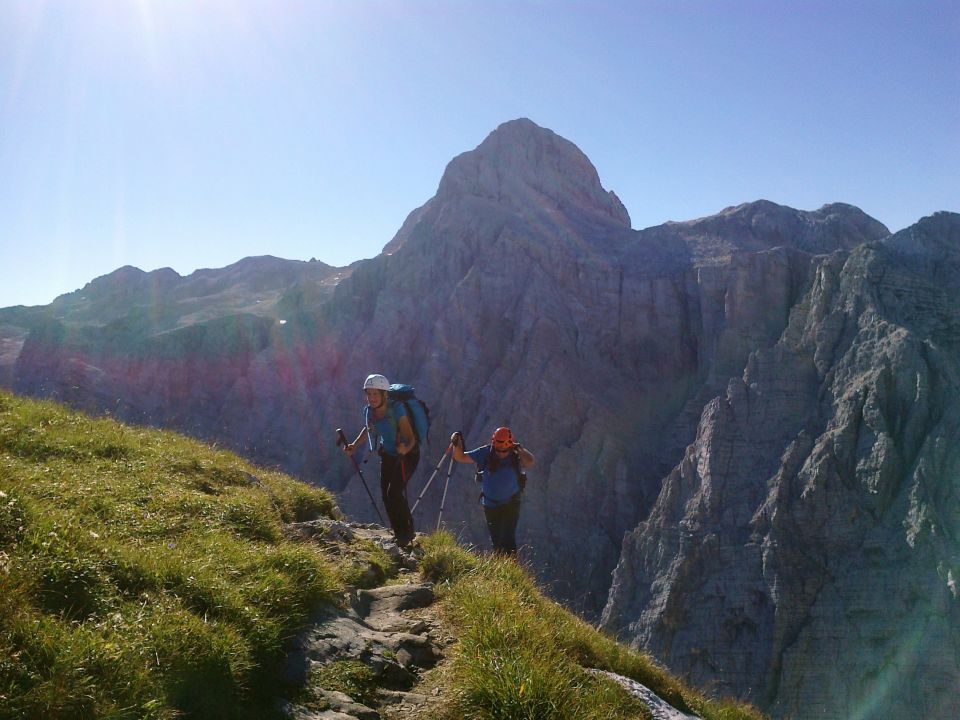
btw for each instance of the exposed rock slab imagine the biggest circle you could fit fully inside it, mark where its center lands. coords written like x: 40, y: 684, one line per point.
x: 341, y: 707
x: 382, y: 607
x: 659, y: 708
x: 391, y: 646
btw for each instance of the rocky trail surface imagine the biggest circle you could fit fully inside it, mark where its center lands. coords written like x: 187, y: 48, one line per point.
x: 392, y: 631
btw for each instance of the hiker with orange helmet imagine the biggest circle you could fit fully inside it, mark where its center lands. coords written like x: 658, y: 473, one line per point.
x: 500, y: 469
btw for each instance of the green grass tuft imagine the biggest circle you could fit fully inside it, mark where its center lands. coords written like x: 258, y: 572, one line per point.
x: 444, y: 560
x: 368, y: 565
x: 350, y: 677
x: 144, y: 575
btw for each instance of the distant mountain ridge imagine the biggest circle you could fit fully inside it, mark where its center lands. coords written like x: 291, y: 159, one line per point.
x: 240, y: 287
x: 517, y: 295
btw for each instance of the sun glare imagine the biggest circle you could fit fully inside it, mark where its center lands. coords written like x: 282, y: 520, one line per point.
x: 145, y: 12
x: 166, y: 34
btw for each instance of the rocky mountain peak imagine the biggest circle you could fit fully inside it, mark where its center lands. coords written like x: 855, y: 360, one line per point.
x: 253, y: 284
x: 113, y: 293
x: 931, y: 250
x: 525, y: 170
x: 521, y: 163
x: 841, y: 219
x: 127, y: 276
x: 936, y: 237
x: 762, y: 224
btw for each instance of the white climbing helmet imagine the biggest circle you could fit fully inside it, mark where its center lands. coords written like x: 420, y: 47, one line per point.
x: 376, y: 382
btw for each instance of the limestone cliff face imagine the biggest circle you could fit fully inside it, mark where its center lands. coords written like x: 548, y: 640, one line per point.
x: 804, y: 553
x: 517, y: 295
x: 586, y: 337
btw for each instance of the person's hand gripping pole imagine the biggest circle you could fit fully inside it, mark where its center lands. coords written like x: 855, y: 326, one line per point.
x: 348, y: 449
x: 456, y: 440
x: 433, y: 475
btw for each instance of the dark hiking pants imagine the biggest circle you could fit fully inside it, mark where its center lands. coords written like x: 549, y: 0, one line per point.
x: 394, y: 492
x: 502, y: 524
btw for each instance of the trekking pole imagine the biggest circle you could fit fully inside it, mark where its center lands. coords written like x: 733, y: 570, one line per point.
x: 458, y: 438
x: 435, y: 471
x: 342, y: 440
x: 444, y: 499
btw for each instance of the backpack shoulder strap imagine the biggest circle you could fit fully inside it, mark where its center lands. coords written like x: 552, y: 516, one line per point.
x: 521, y: 473
x: 373, y: 440
x: 480, y: 469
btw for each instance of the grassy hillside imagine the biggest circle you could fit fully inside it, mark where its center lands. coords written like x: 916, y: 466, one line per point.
x: 144, y: 575
x: 521, y: 656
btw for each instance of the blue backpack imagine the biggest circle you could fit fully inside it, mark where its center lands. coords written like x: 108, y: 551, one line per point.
x: 417, y: 410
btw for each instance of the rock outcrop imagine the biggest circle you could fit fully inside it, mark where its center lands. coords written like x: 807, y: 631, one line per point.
x: 804, y: 552
x: 520, y: 295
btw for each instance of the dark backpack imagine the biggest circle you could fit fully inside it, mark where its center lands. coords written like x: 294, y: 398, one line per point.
x: 514, y: 460
x: 417, y: 410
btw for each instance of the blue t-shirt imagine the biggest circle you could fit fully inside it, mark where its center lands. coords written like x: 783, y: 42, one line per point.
x: 500, y: 485
x: 385, y: 429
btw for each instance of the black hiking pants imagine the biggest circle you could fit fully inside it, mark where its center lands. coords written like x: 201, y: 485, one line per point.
x: 393, y: 487
x: 502, y: 524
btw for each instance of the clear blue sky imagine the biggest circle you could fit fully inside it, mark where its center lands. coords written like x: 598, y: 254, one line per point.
x: 191, y: 134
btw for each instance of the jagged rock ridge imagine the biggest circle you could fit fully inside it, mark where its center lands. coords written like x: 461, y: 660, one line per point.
x: 518, y: 294
x: 804, y: 553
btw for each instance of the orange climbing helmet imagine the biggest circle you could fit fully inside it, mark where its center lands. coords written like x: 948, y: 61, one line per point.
x: 502, y: 439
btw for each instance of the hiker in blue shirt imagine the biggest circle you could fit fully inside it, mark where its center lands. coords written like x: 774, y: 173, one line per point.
x: 390, y: 433
x: 500, y: 467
